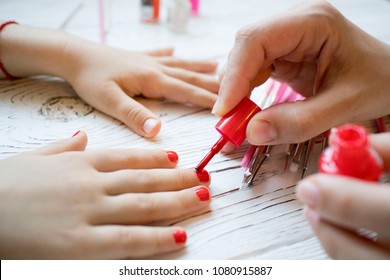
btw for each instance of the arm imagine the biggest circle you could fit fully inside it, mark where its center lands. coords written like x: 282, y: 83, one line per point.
x: 108, y: 78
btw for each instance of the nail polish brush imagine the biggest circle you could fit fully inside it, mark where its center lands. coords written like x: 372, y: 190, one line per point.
x: 232, y: 128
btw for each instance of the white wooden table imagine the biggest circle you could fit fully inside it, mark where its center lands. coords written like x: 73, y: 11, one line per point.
x: 265, y: 222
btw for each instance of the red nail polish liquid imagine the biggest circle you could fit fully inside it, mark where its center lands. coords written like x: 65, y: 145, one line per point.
x: 232, y: 127
x: 203, y: 176
x: 180, y: 236
x: 203, y: 193
x: 172, y: 156
x: 350, y: 154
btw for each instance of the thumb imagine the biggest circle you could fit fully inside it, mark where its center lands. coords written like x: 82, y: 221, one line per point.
x: 137, y: 117
x: 296, y: 122
x: 77, y: 142
x: 118, y: 104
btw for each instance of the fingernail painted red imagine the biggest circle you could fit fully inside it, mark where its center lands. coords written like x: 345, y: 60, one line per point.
x: 203, y: 193
x: 180, y: 236
x: 173, y: 157
x: 76, y: 133
x: 203, y: 176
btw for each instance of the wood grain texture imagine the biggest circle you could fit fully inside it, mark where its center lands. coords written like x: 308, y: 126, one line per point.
x: 264, y: 222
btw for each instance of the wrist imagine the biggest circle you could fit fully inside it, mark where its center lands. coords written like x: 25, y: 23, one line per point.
x: 29, y: 51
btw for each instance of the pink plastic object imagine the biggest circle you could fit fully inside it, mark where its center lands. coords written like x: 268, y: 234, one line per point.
x: 350, y: 154
x: 232, y: 127
x: 194, y: 7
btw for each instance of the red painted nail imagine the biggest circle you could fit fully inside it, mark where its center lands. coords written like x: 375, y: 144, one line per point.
x: 76, y: 133
x: 180, y: 236
x: 173, y: 157
x: 203, y: 193
x: 203, y: 176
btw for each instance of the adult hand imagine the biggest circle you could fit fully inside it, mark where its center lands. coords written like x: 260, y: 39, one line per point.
x: 341, y: 70
x: 61, y: 202
x: 338, y: 208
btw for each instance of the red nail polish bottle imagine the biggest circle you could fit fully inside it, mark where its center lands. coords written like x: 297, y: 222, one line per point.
x: 232, y: 127
x: 150, y: 10
x: 350, y: 154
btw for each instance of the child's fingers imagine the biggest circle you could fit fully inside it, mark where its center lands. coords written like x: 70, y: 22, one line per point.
x: 183, y: 92
x: 150, y: 207
x: 133, y: 114
x: 123, y: 242
x: 154, y: 180
x: 191, y: 65
x: 77, y: 142
x: 344, y: 244
x: 205, y: 81
x: 348, y: 202
x: 112, y: 160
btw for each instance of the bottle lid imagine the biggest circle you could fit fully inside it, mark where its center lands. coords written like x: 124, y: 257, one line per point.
x: 233, y: 125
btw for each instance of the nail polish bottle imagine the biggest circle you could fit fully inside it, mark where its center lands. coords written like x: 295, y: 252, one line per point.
x: 350, y: 154
x: 150, y: 10
x: 194, y: 7
x: 232, y: 128
x: 178, y: 15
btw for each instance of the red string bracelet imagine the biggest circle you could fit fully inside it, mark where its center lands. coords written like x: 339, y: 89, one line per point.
x: 2, y: 68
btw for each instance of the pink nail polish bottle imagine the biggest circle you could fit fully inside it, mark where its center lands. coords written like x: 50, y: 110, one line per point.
x: 194, y: 7
x: 350, y: 154
x: 232, y: 128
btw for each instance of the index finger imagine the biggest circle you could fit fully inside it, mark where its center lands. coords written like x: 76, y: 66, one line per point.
x: 298, y: 35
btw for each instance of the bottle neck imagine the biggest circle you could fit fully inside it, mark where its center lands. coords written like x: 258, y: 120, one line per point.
x: 350, y: 145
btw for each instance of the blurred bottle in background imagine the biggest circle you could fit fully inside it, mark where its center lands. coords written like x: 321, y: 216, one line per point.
x: 150, y: 11
x: 178, y: 15
x: 194, y: 7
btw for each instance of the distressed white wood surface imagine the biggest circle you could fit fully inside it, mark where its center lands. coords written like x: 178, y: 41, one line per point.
x: 265, y: 222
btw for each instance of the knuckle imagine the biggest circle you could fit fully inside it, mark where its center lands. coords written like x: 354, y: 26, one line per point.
x: 301, y: 123
x: 185, y: 178
x: 323, y: 13
x: 147, y: 205
x: 134, y: 114
x: 123, y: 238
x: 150, y: 75
x: 244, y: 33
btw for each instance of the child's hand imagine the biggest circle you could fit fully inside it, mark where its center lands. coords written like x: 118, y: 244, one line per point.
x: 338, y: 207
x: 108, y: 78
x: 64, y: 202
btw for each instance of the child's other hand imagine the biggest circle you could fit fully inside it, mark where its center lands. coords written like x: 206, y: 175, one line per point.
x: 339, y: 207
x: 109, y: 78
x: 61, y: 202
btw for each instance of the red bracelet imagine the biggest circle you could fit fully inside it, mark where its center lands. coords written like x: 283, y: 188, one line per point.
x: 2, y: 68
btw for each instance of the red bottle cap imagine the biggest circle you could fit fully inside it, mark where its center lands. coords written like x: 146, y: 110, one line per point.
x: 350, y: 154
x: 232, y: 128
x: 233, y: 125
